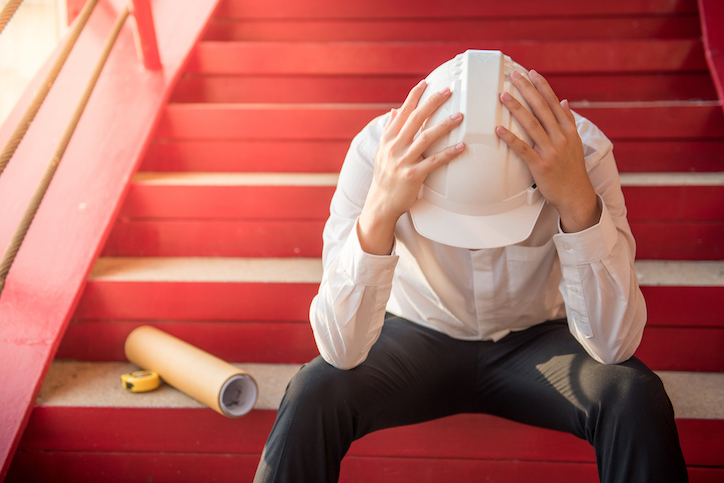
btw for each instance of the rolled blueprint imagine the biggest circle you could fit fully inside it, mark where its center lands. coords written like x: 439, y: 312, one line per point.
x: 206, y: 378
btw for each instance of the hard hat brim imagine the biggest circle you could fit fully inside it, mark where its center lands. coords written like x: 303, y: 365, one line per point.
x: 475, y: 232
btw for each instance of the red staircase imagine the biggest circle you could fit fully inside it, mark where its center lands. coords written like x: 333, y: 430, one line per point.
x: 218, y: 240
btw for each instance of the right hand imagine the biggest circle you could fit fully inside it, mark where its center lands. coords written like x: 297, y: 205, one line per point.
x: 400, y: 168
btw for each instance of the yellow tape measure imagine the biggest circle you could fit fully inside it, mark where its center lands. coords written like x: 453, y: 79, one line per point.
x: 140, y: 381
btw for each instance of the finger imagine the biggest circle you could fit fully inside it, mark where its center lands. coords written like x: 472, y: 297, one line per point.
x: 530, y: 123
x: 545, y: 90
x: 440, y: 158
x: 538, y: 104
x: 519, y: 147
x: 567, y: 110
x: 407, y: 108
x: 421, y: 113
x: 393, y: 114
x: 432, y: 134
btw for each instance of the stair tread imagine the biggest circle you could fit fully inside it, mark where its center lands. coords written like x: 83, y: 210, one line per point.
x: 198, y: 178
x: 672, y: 179
x: 309, y: 270
x: 207, y: 269
x: 694, y: 395
x: 680, y: 273
x: 188, y: 178
x: 97, y: 384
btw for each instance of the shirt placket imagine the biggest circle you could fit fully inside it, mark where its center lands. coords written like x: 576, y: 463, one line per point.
x: 483, y: 287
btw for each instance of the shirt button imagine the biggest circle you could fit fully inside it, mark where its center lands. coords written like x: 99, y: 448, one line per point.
x: 574, y: 289
x: 567, y: 247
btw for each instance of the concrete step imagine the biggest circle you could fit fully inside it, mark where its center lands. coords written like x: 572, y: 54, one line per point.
x: 84, y: 419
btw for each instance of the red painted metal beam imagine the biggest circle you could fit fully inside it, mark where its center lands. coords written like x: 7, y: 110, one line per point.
x: 79, y: 208
x: 711, y: 13
x: 146, y: 42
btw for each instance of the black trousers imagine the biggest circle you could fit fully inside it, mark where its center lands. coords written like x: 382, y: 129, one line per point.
x: 540, y: 376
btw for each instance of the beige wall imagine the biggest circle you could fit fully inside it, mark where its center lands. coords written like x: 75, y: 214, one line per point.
x: 25, y: 44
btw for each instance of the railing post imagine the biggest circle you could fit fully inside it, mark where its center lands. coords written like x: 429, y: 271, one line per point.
x: 145, y: 34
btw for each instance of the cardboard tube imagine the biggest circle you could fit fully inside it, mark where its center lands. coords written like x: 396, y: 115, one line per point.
x: 204, y: 377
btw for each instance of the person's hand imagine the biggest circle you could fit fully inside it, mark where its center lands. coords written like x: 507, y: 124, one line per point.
x: 400, y: 168
x: 557, y: 161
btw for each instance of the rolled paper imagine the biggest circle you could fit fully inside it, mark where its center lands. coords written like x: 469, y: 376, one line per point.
x: 206, y: 378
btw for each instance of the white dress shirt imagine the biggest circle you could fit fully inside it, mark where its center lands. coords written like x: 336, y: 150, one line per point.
x: 587, y: 276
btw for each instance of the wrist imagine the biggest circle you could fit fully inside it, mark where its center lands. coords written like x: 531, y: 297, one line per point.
x: 375, y: 231
x: 581, y: 214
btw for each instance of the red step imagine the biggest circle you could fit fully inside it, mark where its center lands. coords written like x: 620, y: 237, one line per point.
x: 183, y: 294
x: 514, y: 27
x: 660, y: 120
x: 327, y: 156
x: 420, y: 58
x: 62, y: 435
x: 384, y: 9
x: 282, y: 215
x: 194, y: 88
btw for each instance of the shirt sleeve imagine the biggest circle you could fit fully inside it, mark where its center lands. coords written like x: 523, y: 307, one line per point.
x: 605, y: 307
x: 348, y: 312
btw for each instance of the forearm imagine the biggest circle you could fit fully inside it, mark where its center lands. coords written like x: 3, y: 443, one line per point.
x: 348, y: 312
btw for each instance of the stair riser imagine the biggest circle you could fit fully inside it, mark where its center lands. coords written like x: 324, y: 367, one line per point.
x: 420, y: 58
x: 223, y: 238
x: 201, y: 430
x: 260, y: 342
x: 225, y: 202
x: 679, y: 241
x: 343, y: 122
x: 366, y: 89
x: 318, y: 9
x: 196, y: 301
x: 327, y: 156
x: 281, y: 238
x: 247, y: 156
x: 666, y: 349
x: 644, y: 203
x: 465, y: 29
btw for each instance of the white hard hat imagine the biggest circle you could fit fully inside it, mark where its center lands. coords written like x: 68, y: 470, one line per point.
x: 485, y: 197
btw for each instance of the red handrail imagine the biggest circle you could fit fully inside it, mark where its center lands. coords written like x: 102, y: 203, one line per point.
x: 711, y: 14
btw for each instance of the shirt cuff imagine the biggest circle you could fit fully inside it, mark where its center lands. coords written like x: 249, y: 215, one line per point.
x: 590, y: 245
x: 364, y: 268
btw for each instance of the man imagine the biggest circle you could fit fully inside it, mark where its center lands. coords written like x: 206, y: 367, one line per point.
x: 541, y: 331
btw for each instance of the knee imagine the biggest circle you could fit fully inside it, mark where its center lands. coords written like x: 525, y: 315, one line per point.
x: 317, y: 385
x: 632, y: 392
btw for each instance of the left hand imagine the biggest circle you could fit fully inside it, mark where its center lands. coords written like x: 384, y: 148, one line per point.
x: 556, y: 162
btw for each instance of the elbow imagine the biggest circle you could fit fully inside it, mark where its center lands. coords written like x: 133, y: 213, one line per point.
x: 341, y: 363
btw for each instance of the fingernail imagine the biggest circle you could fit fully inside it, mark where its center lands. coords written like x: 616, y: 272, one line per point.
x: 515, y: 74
x: 456, y: 116
x: 445, y: 90
x: 500, y: 130
x: 533, y: 73
x: 421, y: 82
x: 505, y: 96
x: 459, y: 146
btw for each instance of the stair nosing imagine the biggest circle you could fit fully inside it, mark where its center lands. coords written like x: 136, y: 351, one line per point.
x: 695, y: 395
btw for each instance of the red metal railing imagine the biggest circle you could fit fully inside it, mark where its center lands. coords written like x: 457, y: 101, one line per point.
x: 147, y: 51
